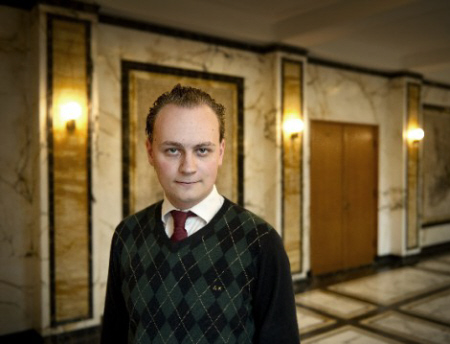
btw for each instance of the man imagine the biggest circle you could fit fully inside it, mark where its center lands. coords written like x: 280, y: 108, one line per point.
x: 220, y: 277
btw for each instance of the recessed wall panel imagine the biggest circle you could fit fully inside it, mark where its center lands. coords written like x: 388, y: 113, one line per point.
x: 436, y: 167
x: 142, y: 84
x: 292, y: 102
x: 69, y: 166
x: 412, y: 198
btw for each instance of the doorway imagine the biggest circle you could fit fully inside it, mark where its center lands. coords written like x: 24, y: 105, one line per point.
x: 344, y: 174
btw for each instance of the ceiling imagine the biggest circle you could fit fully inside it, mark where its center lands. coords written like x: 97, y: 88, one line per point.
x: 385, y: 35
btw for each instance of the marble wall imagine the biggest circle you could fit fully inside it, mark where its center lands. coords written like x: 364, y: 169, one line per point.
x: 331, y: 94
x: 19, y: 197
x: 435, y: 96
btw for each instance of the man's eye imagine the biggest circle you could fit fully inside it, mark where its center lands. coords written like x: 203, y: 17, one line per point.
x: 203, y: 151
x: 172, y: 151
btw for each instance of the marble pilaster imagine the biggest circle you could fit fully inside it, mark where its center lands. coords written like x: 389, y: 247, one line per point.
x: 19, y: 147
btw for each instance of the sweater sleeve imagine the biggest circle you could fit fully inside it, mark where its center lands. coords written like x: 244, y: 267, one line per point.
x: 115, y: 316
x: 274, y: 302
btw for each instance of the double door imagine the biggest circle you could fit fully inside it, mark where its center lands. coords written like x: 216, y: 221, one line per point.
x: 343, y: 195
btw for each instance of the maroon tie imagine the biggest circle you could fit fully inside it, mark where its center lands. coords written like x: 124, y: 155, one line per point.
x: 179, y: 220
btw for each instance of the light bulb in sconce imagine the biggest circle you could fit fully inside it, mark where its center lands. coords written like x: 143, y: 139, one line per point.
x: 70, y: 112
x: 292, y: 127
x: 415, y: 135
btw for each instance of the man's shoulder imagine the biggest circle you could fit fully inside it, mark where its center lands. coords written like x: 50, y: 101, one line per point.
x: 246, y: 218
x: 140, y: 218
x: 259, y: 235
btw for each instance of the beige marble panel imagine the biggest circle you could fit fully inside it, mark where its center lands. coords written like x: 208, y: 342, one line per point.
x: 436, y: 164
x: 393, y: 286
x: 435, y: 307
x: 348, y: 334
x: 292, y: 162
x: 145, y: 87
x: 19, y: 178
x: 309, y: 320
x: 70, y: 174
x: 409, y: 327
x: 334, y: 304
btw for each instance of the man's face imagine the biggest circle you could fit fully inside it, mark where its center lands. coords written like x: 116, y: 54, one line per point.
x: 186, y: 153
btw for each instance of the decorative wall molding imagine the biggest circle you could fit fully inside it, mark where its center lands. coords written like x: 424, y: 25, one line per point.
x: 141, y: 83
x: 292, y: 98
x: 69, y: 168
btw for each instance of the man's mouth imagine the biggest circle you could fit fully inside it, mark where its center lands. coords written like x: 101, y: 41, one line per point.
x: 185, y: 183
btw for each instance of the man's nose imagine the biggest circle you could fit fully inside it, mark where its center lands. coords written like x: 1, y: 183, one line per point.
x: 188, y: 164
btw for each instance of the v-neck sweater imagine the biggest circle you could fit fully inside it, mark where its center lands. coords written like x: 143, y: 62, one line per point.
x: 229, y: 282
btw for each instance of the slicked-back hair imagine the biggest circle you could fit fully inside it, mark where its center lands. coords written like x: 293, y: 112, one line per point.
x: 188, y: 97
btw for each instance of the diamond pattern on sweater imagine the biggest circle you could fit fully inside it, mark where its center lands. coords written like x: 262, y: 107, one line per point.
x: 197, y: 292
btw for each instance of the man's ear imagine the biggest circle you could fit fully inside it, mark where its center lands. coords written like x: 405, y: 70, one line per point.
x: 149, y: 147
x: 221, y: 151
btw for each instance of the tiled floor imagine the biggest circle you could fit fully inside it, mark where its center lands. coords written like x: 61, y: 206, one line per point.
x: 408, y: 304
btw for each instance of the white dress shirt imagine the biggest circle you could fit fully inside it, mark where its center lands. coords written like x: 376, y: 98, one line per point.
x: 205, y: 211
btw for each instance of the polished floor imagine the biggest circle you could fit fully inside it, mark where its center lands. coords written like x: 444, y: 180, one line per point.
x: 400, y: 302
x: 406, y: 304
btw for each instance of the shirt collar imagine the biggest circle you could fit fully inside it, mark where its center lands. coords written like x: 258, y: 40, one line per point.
x: 206, y: 209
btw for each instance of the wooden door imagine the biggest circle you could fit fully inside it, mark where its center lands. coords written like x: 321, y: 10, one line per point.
x: 343, y: 195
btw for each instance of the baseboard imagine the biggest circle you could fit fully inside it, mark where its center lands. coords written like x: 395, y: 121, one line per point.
x: 90, y: 335
x: 29, y: 336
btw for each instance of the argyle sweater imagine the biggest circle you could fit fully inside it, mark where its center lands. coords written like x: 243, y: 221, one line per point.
x: 229, y: 282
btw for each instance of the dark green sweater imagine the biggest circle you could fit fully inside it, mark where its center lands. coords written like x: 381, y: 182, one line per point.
x: 229, y: 282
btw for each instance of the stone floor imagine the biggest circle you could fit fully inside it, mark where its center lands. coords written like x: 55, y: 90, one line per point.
x: 384, y: 303
x: 406, y: 304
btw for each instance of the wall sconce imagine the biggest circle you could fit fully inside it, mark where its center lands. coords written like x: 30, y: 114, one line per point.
x: 70, y: 112
x: 293, y: 127
x: 415, y: 135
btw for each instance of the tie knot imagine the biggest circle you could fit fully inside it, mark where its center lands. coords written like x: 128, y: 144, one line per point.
x: 179, y: 217
x: 179, y: 221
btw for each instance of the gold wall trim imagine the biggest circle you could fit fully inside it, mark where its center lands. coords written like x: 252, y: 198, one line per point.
x: 69, y: 166
x: 292, y: 173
